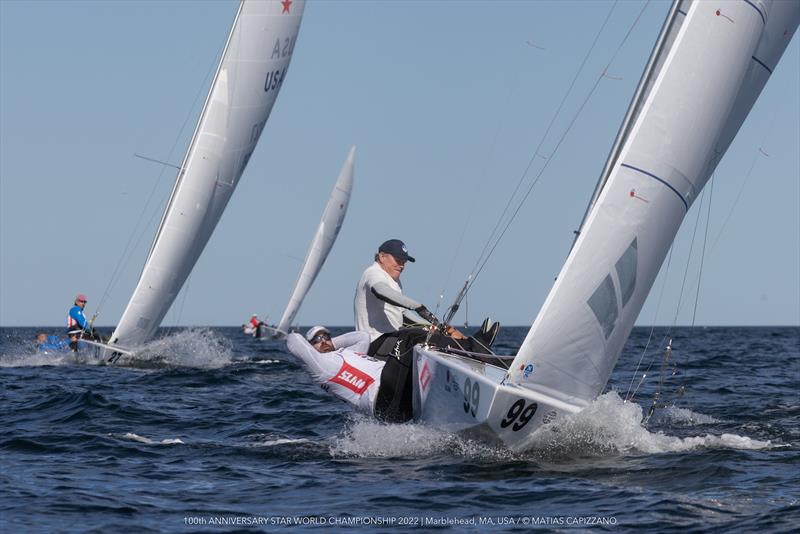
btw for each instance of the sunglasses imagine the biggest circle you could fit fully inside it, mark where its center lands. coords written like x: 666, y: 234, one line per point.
x: 82, y: 301
x: 319, y: 338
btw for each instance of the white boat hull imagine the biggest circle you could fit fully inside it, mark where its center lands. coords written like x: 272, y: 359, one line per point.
x: 461, y: 395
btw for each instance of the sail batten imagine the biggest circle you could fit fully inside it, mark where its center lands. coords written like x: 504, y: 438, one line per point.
x: 247, y: 81
x: 704, y: 85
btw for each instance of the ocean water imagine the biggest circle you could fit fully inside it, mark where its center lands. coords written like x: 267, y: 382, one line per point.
x: 213, y: 431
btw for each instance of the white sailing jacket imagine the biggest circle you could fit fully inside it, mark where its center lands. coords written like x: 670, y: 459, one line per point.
x: 346, y: 372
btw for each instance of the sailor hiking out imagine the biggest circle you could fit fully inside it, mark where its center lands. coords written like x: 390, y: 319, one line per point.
x: 340, y: 365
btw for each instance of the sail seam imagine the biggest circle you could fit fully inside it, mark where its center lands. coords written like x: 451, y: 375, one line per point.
x: 762, y: 64
x: 651, y: 175
x: 760, y: 13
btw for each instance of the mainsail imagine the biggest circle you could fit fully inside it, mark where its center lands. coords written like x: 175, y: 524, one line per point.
x: 332, y: 219
x: 705, y: 77
x: 245, y: 86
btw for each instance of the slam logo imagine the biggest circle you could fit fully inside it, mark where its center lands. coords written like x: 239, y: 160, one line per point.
x: 353, y: 379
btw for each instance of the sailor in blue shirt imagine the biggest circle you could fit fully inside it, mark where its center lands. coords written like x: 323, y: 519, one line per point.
x: 76, y: 322
x: 45, y: 343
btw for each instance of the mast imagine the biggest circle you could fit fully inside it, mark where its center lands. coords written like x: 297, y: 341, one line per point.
x: 668, y: 29
x: 246, y: 84
x: 182, y: 168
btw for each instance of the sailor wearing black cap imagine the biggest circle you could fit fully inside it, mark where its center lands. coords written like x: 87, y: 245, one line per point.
x: 379, y: 304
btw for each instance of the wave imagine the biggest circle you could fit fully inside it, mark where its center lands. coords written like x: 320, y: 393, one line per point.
x: 147, y: 441
x: 28, y: 357
x: 675, y: 415
x: 270, y: 440
x: 609, y: 427
x: 195, y: 347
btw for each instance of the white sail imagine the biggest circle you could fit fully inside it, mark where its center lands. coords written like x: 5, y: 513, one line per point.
x: 709, y: 78
x: 248, y: 79
x: 321, y: 245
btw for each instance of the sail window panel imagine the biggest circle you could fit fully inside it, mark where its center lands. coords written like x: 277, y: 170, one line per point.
x: 626, y: 272
x: 603, y: 303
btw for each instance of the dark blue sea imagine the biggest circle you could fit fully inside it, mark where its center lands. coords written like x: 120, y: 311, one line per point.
x: 212, y: 431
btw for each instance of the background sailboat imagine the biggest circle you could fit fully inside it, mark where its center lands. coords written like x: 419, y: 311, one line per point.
x: 691, y: 102
x: 250, y: 74
x: 321, y: 245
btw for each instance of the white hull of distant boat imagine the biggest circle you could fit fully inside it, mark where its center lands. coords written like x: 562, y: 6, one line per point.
x: 691, y: 102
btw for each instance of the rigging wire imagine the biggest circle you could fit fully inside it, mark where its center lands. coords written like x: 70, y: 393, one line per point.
x: 756, y: 158
x: 482, y: 261
x: 513, y: 86
x: 127, y: 251
x: 628, y: 395
x: 688, y: 260
x: 547, y: 130
x: 668, y: 334
x: 703, y: 252
x: 757, y: 155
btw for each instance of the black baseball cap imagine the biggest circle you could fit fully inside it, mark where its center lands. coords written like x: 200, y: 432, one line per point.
x: 396, y: 248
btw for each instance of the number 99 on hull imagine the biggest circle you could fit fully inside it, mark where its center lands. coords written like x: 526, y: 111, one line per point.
x: 473, y: 398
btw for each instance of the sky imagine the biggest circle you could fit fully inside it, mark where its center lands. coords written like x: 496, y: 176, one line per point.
x: 446, y: 103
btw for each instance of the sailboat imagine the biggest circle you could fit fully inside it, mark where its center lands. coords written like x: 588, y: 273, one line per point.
x: 249, y: 76
x: 707, y: 69
x: 321, y: 244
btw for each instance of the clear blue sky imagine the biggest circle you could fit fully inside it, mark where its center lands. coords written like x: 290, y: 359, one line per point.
x: 445, y: 101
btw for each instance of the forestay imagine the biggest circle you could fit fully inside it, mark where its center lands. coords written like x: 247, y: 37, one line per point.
x: 321, y: 245
x: 705, y: 82
x: 250, y: 74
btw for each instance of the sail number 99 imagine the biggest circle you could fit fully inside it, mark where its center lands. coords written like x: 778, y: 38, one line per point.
x: 519, y: 413
x: 472, y: 396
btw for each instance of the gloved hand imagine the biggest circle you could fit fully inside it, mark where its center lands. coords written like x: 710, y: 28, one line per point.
x: 427, y: 315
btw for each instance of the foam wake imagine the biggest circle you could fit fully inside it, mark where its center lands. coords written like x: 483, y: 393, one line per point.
x: 195, y: 347
x: 147, y: 441
x: 608, y: 427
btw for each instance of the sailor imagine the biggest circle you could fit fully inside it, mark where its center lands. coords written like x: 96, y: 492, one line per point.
x: 253, y: 327
x: 76, y: 322
x: 381, y: 308
x: 340, y: 365
x: 45, y: 343
x: 379, y: 303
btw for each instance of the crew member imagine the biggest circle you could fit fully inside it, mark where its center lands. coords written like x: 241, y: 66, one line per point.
x: 76, y: 322
x: 381, y: 309
x: 379, y: 305
x: 340, y: 365
x: 45, y: 343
